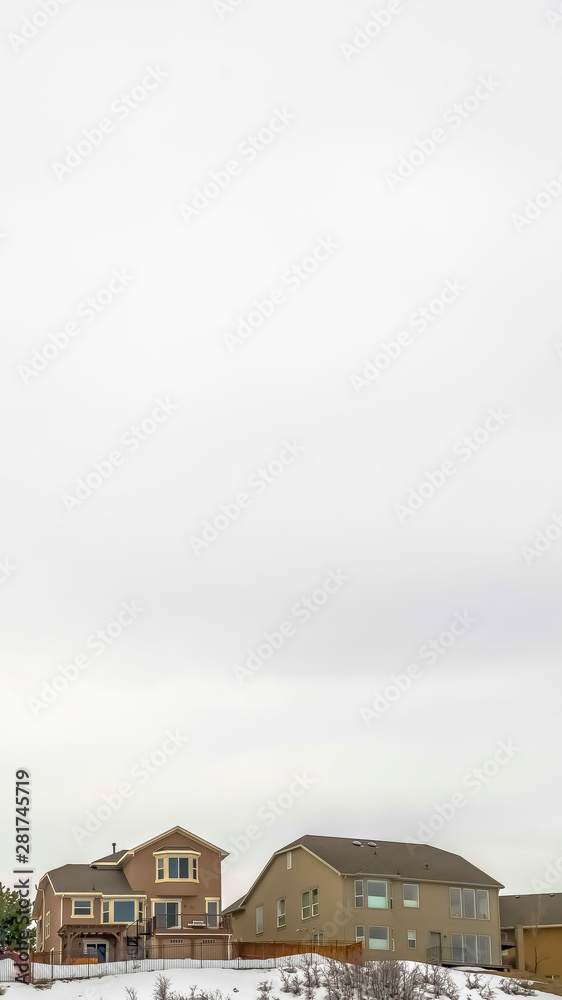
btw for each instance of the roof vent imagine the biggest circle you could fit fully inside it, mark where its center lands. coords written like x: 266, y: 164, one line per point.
x: 372, y: 844
x: 357, y: 843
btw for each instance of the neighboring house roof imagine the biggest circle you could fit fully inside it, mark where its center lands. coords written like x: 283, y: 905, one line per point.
x: 531, y: 910
x: 410, y: 861
x: 83, y: 878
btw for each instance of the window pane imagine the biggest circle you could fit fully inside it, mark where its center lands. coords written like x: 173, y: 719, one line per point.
x: 457, y: 948
x: 455, y: 906
x: 194, y: 867
x: 468, y: 903
x: 289, y: 859
x: 360, y: 932
x: 411, y: 939
x: 376, y: 895
x: 83, y: 907
x: 411, y: 895
x: 470, y: 950
x: 378, y: 938
x: 259, y: 919
x: 105, y: 912
x: 124, y: 909
x: 483, y: 904
x: 172, y: 867
x: 359, y: 901
x: 160, y: 866
x: 485, y: 949
x: 315, y: 902
x: 184, y: 867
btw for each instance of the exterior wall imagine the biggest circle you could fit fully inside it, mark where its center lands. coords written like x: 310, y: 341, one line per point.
x: 543, y: 951
x: 51, y: 903
x: 282, y: 883
x: 338, y: 916
x: 140, y: 872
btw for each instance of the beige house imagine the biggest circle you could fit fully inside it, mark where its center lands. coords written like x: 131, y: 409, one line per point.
x: 531, y: 927
x: 135, y: 903
x: 403, y: 901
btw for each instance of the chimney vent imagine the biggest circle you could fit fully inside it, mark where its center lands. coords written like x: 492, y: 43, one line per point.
x: 114, y: 846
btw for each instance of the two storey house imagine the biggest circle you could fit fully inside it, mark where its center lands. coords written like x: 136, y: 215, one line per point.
x: 403, y: 901
x: 159, y: 899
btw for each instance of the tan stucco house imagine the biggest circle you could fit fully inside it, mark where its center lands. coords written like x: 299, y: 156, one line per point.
x: 531, y: 927
x: 403, y: 901
x: 135, y: 903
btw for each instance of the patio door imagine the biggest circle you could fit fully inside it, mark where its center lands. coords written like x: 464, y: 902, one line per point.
x: 435, y: 945
x: 167, y: 915
x: 98, y: 951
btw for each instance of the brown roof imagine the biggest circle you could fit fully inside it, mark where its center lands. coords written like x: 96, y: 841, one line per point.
x: 389, y: 859
x: 83, y: 878
x: 531, y: 909
x: 110, y: 858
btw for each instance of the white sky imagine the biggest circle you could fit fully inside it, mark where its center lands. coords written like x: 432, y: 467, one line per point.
x: 344, y: 119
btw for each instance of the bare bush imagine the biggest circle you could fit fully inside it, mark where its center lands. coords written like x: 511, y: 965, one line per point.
x: 131, y: 992
x: 517, y: 987
x: 162, y: 988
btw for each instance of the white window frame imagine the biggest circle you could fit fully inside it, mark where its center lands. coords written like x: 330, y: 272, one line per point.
x: 289, y: 859
x: 162, y: 863
x: 378, y: 881
x: 312, y: 905
x: 413, y: 940
x: 388, y: 937
x: 463, y: 915
x: 359, y: 895
x: 483, y: 892
x: 478, y: 937
x: 410, y: 903
x: 82, y: 899
x: 281, y: 912
x: 47, y: 925
x: 318, y: 938
x: 216, y: 916
x: 260, y: 921
x: 358, y: 936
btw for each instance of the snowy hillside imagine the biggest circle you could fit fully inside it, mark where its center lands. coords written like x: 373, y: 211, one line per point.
x: 320, y: 982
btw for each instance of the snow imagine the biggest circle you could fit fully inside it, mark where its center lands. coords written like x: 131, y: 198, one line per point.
x: 233, y: 982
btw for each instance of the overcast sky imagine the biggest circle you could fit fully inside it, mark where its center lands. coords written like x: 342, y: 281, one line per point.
x: 282, y: 357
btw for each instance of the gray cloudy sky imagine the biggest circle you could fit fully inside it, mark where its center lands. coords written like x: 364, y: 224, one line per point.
x: 281, y: 311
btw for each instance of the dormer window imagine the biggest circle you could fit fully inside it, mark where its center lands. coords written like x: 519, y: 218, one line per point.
x: 177, y: 865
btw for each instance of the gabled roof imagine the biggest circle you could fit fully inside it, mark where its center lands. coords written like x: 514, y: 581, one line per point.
x: 390, y: 859
x: 531, y: 910
x: 120, y: 858
x: 83, y: 878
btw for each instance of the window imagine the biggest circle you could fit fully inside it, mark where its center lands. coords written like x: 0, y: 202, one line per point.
x: 468, y: 948
x: 141, y: 910
x: 378, y: 938
x: 281, y: 913
x: 377, y: 895
x: 411, y: 939
x: 81, y: 907
x: 289, y: 859
x: 411, y: 895
x: 482, y: 904
x: 259, y: 919
x: 105, y: 911
x: 167, y: 914
x: 469, y: 903
x: 180, y: 866
x: 318, y: 938
x: 360, y: 933
x: 359, y: 897
x: 48, y: 924
x: 212, y: 911
x: 123, y: 911
x: 309, y: 903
